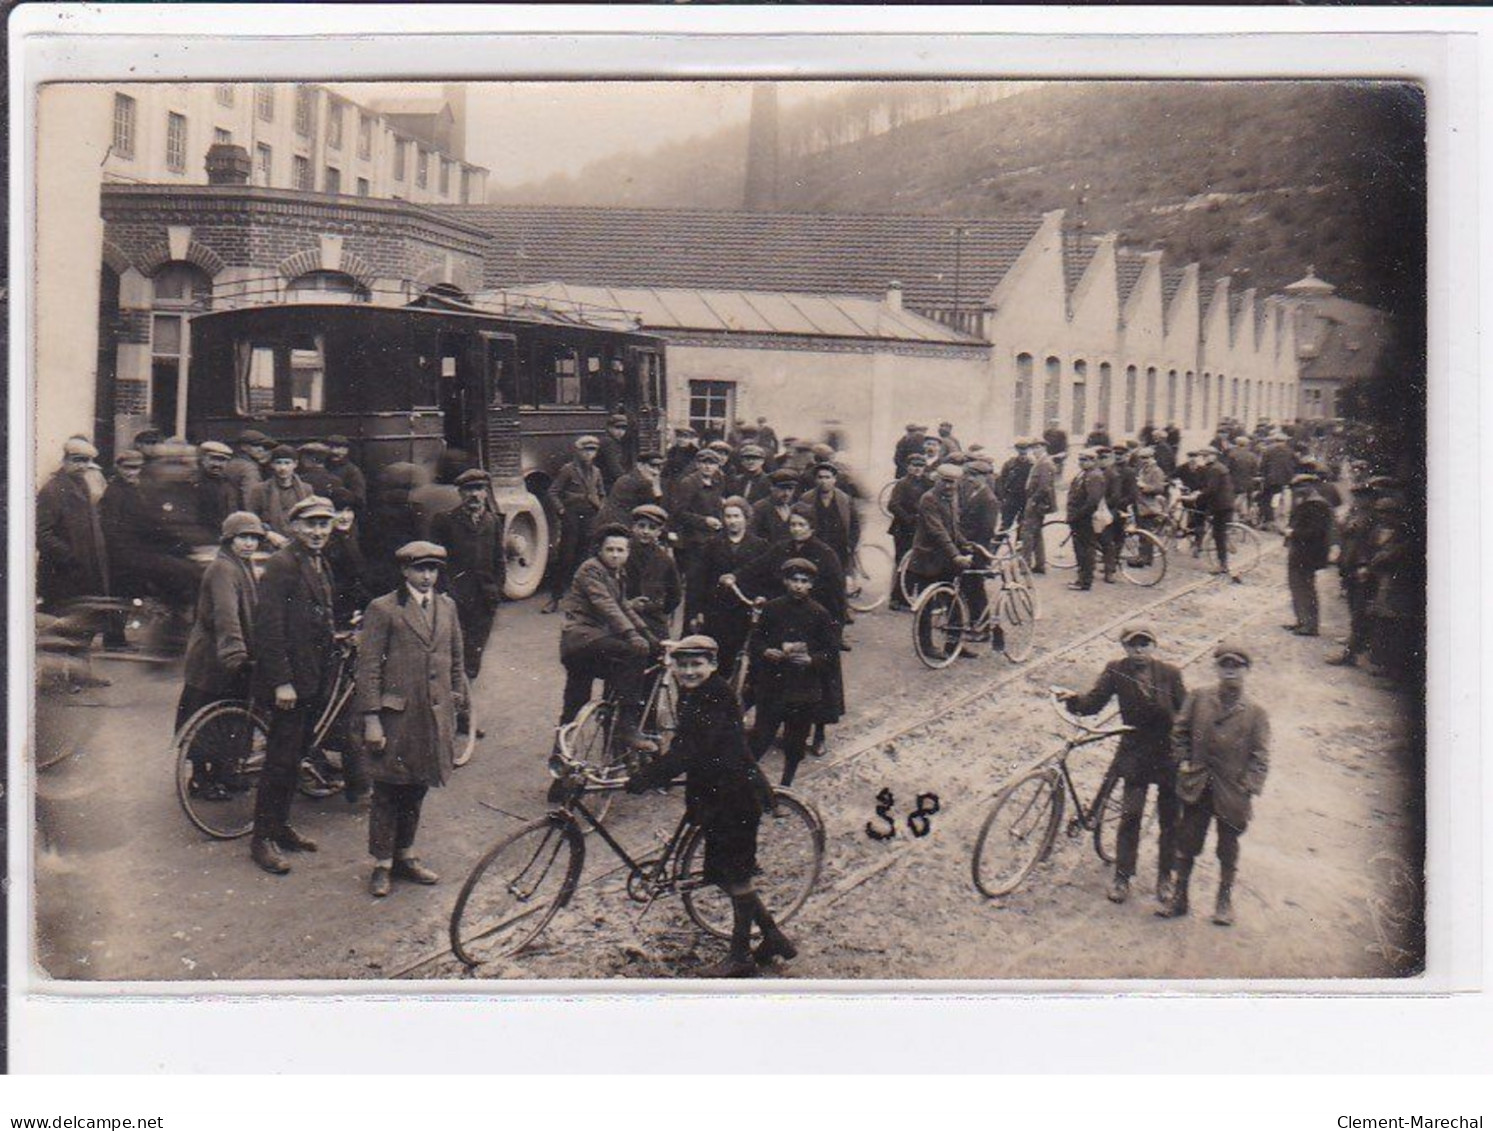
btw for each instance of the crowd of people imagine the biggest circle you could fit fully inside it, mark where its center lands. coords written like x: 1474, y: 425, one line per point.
x: 740, y: 543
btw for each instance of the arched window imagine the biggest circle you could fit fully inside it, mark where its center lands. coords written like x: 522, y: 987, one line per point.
x: 1130, y: 382
x: 1207, y: 400
x: 1151, y: 394
x: 1233, y: 396
x: 179, y: 291
x: 448, y: 291
x: 1106, y: 391
x: 326, y: 286
x: 1080, y: 397
x: 1021, y: 406
x: 1190, y: 392
x: 1171, y: 396
x: 1052, y: 390
x: 1244, y: 416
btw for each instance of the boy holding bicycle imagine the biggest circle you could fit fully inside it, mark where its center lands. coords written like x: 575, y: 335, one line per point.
x: 726, y: 795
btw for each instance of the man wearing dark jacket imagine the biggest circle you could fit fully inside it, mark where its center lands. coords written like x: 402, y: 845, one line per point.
x: 911, y: 441
x: 1119, y: 496
x: 614, y: 457
x: 725, y: 794
x: 146, y: 557
x: 72, y: 561
x: 694, y: 502
x: 1277, y: 467
x: 292, y: 668
x: 1309, y: 543
x: 831, y: 512
x: 1057, y: 443
x: 1216, y: 502
x: 903, y: 503
x: 472, y: 534
x: 654, y: 588
x: 576, y: 496
x: 769, y: 519
x: 1014, y: 474
x: 1085, y: 494
x: 217, y: 497
x: 1150, y: 693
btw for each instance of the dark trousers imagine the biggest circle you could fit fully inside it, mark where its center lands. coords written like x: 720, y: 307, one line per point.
x: 795, y: 724
x: 285, y: 746
x: 575, y: 543
x: 1132, y: 809
x: 393, y: 818
x: 1268, y: 495
x: 1219, y: 521
x: 901, y: 546
x: 1111, y: 541
x: 613, y: 659
x: 1085, y: 543
x: 1303, y: 582
x: 1145, y: 548
x: 1029, y: 535
x: 1357, y: 593
x: 475, y: 617
x: 1011, y: 511
x: 1192, y: 831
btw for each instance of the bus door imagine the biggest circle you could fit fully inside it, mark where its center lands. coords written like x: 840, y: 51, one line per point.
x: 462, y: 364
x: 501, y: 447
x: 646, y: 394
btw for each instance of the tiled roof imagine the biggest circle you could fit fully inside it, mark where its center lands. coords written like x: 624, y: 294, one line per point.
x: 737, y: 312
x: 1350, y: 338
x: 1171, y: 282
x: 803, y: 252
x: 1078, y: 253
x: 1128, y: 267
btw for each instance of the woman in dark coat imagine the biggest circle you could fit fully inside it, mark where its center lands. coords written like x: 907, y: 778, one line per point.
x: 721, y: 615
x: 725, y: 794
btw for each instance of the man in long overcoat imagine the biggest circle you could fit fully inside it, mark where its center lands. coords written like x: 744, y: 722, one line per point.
x: 1309, y: 542
x: 411, y: 685
x: 903, y: 503
x: 72, y: 561
x: 1150, y: 692
x: 1041, y: 501
x: 472, y: 534
x: 1085, y: 494
x: 1221, y: 741
x: 292, y: 670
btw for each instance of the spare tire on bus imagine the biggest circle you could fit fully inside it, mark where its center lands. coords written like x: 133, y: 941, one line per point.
x: 526, y: 542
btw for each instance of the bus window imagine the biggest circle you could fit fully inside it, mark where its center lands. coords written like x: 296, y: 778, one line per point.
x: 255, y: 392
x: 567, y: 382
x: 594, y: 382
x: 308, y: 373
x: 502, y: 373
x: 277, y: 379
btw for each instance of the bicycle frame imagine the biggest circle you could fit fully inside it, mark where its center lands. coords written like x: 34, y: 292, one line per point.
x: 662, y: 878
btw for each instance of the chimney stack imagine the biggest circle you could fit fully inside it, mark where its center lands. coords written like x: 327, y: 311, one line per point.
x: 762, y: 150
x: 228, y: 165
x: 894, y: 294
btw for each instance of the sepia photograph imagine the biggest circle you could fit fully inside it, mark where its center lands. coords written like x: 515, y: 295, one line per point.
x: 779, y: 531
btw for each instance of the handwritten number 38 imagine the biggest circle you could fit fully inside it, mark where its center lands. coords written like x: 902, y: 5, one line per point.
x: 918, y: 822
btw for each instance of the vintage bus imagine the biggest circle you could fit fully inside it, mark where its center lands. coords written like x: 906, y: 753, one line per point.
x: 511, y: 389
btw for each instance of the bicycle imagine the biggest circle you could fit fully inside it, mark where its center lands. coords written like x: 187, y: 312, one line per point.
x: 869, y: 577
x: 884, y: 498
x: 1181, y: 521
x: 520, y: 884
x: 1022, y: 826
x: 1142, y: 559
x: 232, y: 736
x: 942, y: 622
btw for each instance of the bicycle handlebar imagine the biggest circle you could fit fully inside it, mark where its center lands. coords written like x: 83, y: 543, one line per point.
x: 1055, y: 697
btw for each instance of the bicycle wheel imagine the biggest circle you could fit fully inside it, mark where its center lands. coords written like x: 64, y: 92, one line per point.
x: 1021, y: 574
x: 1018, y: 623
x: 1106, y: 817
x: 587, y: 740
x: 1058, y: 544
x: 219, y: 757
x: 905, y: 583
x: 466, y: 744
x: 884, y: 498
x: 938, y: 626
x: 1244, y: 549
x: 516, y: 889
x: 790, y: 853
x: 869, y: 582
x: 1015, y: 836
x: 1142, y: 559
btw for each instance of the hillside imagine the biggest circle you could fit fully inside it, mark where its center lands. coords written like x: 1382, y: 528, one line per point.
x: 1256, y: 179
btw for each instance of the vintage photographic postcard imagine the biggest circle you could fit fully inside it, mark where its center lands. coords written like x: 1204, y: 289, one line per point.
x: 490, y: 532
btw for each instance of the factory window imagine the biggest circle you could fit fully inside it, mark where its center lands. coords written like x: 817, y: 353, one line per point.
x: 264, y: 101
x: 176, y: 142
x: 124, y: 125
x: 1131, y: 374
x: 305, y: 110
x: 1106, y: 390
x: 1151, y: 394
x: 1021, y: 395
x: 264, y: 164
x: 179, y: 291
x: 365, y: 136
x: 398, y: 159
x: 1171, y: 396
x: 711, y: 407
x: 333, y: 181
x: 1189, y: 392
x: 222, y: 136
x: 326, y: 286
x: 223, y: 91
x: 422, y: 168
x: 364, y: 189
x: 300, y: 173
x: 445, y: 177
x: 1052, y: 390
x: 1080, y: 397
x: 334, y: 125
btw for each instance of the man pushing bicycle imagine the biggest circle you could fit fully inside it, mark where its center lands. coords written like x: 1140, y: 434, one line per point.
x: 726, y: 795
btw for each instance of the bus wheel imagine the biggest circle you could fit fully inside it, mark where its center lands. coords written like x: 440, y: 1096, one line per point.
x: 526, y: 548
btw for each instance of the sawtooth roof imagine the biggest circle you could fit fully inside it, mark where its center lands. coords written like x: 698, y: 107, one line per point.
x: 802, y: 252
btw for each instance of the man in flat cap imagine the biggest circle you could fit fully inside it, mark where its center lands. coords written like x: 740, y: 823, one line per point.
x: 1041, y: 501
x: 293, y: 666
x: 1085, y: 494
x: 411, y: 685
x: 910, y: 441
x: 769, y: 520
x: 679, y: 460
x: 903, y: 505
x: 1014, y: 476
x: 725, y: 794
x: 273, y: 499
x: 146, y: 557
x: 72, y: 561
x: 751, y: 482
x: 1309, y: 542
x: 1277, y: 466
x: 217, y: 497
x: 767, y: 438
x: 614, y: 458
x: 314, y: 471
x: 831, y: 512
x: 1355, y: 535
x: 349, y: 474
x: 638, y: 487
x: 1150, y: 692
x: 1215, y: 501
x: 694, y: 502
x: 939, y: 546
x: 249, y: 465
x: 576, y: 497
x: 1221, y: 742
x: 654, y: 588
x: 472, y: 534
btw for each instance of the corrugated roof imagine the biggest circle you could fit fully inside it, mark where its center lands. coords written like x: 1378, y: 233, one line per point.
x: 737, y: 312
x: 799, y: 252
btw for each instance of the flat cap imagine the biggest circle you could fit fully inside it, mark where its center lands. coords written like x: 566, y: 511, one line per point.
x: 710, y: 455
x: 617, y: 419
x: 76, y: 446
x: 1036, y: 442
x: 242, y: 522
x: 1137, y: 631
x: 798, y: 567
x: 315, y: 448
x: 1384, y: 483
x: 1146, y: 453
x: 587, y: 442
x: 1303, y: 479
x: 950, y: 471
x: 284, y: 451
x: 823, y: 451
x: 981, y: 466
x: 420, y: 553
x: 253, y: 436
x: 685, y: 431
x: 610, y: 530
x: 751, y: 451
x: 957, y: 458
x: 696, y: 645
x: 651, y: 510
x: 473, y: 476
x: 783, y: 477
x: 917, y: 428
x: 917, y: 458
x: 826, y: 465
x: 214, y: 448
x: 313, y: 506
x: 651, y: 456
x: 1232, y: 650
x: 719, y: 446
x: 129, y: 458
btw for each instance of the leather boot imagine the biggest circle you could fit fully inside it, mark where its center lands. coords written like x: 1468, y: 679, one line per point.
x: 264, y: 853
x: 774, y: 943
x: 1223, y: 908
x: 1165, y: 885
x: 738, y: 962
x: 1119, y: 888
x: 1176, y: 907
